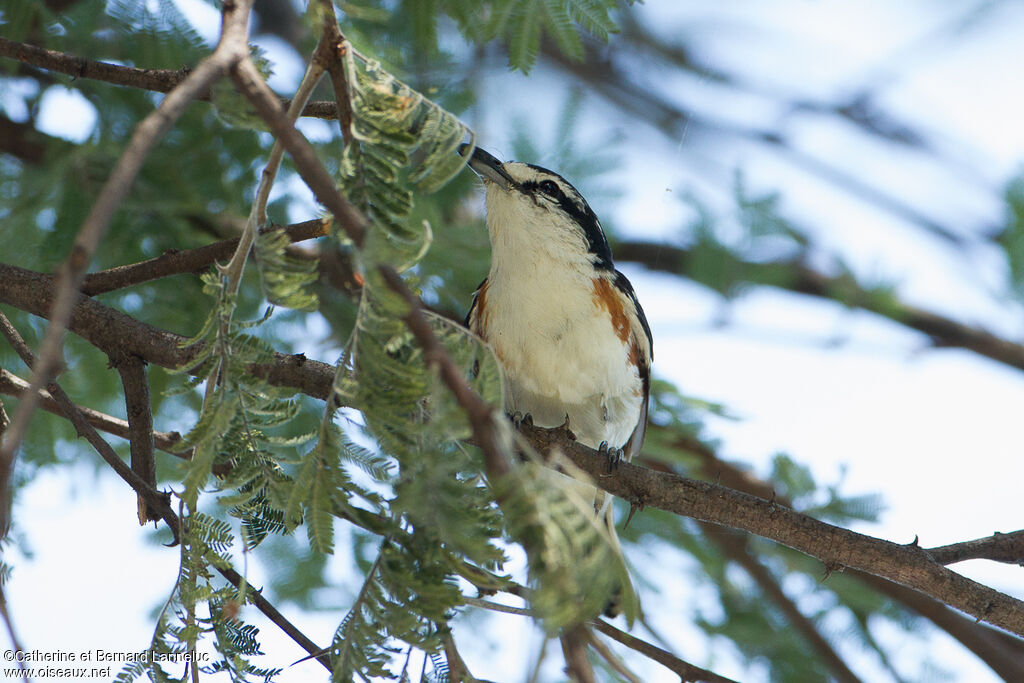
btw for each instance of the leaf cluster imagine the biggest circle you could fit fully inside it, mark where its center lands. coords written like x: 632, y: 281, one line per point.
x: 202, y: 605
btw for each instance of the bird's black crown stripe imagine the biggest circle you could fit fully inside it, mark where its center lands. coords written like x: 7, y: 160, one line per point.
x: 576, y: 207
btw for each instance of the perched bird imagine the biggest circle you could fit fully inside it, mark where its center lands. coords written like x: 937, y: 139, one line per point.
x: 565, y: 325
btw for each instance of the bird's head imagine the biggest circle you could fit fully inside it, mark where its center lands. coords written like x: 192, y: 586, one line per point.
x: 532, y: 208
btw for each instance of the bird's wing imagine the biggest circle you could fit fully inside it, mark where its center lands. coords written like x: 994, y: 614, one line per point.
x: 641, y: 351
x: 473, y: 315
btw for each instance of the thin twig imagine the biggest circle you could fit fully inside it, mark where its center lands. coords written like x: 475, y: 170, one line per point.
x: 685, y: 670
x: 258, y: 213
x: 276, y: 617
x: 6, y: 614
x: 481, y: 415
x: 496, y: 606
x: 998, y: 547
x: 574, y: 649
x: 12, y: 633
x: 539, y: 661
x: 734, y: 546
x: 613, y: 660
x: 156, y: 80
x: 250, y: 82
x: 174, y: 262
x: 457, y: 669
x: 12, y: 385
x: 331, y: 52
x: 147, y: 134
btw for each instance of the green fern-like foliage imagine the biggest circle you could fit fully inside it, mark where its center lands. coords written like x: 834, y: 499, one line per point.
x: 521, y: 25
x: 420, y: 488
x: 202, y: 605
x: 576, y: 567
x: 287, y: 278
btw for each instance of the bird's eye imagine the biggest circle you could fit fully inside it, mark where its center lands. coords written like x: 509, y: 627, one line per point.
x: 549, y: 187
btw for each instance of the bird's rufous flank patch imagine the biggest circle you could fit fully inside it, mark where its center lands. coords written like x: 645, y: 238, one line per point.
x: 607, y: 297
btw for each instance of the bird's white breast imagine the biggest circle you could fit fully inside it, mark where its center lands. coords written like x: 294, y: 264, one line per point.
x: 561, y: 353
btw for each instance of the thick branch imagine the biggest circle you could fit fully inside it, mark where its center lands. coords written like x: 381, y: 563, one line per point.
x: 837, y: 548
x: 999, y: 650
x: 804, y: 280
x: 114, y: 332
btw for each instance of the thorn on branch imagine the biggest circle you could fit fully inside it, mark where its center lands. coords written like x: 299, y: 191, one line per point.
x: 831, y: 567
x: 634, y: 507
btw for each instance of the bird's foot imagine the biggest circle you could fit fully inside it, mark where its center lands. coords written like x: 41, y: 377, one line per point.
x: 612, y: 455
x: 519, y: 419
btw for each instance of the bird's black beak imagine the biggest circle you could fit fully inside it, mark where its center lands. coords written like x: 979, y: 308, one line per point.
x: 488, y: 167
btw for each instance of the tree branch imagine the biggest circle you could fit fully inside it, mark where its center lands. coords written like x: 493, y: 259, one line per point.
x: 159, y: 502
x: 112, y: 332
x: 5, y: 612
x: 998, y: 547
x: 612, y: 660
x: 734, y: 546
x: 481, y: 415
x: 842, y: 289
x: 906, y: 565
x: 156, y: 80
x: 276, y: 617
x: 138, y: 407
x: 838, y: 548
x: 686, y: 671
x: 1000, y: 651
x: 250, y: 82
x: 232, y: 47
x: 173, y: 262
x: 574, y: 649
x: 331, y: 54
x: 458, y: 672
x: 154, y: 499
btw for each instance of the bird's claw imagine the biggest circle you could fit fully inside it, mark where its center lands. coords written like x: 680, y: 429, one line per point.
x: 612, y: 455
x: 519, y: 419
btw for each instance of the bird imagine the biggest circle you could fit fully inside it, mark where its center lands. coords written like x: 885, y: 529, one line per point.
x: 565, y: 325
